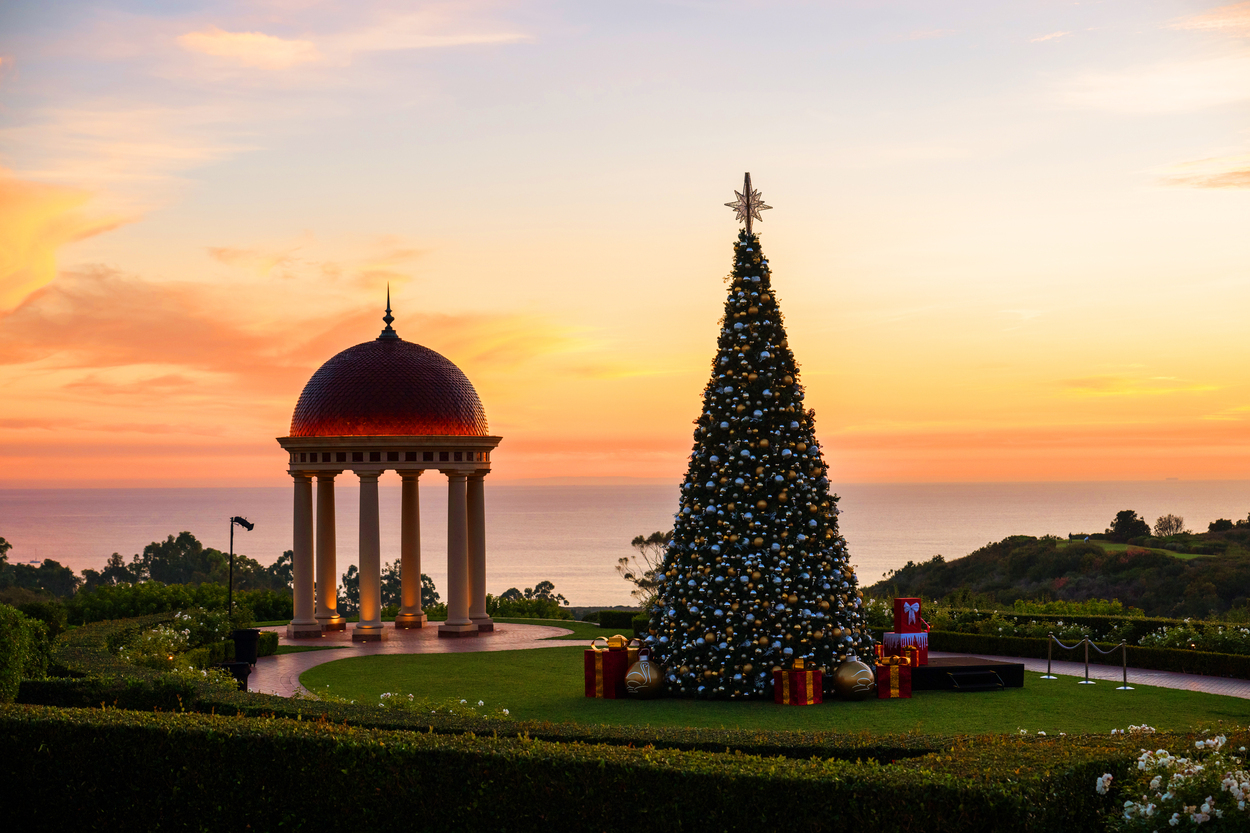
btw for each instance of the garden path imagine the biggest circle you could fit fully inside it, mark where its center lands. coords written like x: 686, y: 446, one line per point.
x: 1136, y: 676
x: 280, y: 674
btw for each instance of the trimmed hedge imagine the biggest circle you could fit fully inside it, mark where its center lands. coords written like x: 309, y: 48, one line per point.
x: 167, y: 770
x: 1154, y: 659
x: 24, y: 649
x: 268, y: 645
x: 92, y: 649
x: 641, y: 623
x: 206, y: 655
x: 617, y: 620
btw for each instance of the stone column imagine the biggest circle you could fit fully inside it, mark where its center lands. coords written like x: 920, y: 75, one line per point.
x: 458, y: 622
x: 369, y: 628
x: 410, y: 614
x: 304, y: 624
x: 476, y: 528
x: 327, y: 565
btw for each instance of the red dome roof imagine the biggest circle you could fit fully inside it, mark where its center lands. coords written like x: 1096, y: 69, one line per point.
x: 388, y: 387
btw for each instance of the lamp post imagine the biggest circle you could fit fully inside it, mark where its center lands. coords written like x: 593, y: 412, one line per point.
x: 249, y: 526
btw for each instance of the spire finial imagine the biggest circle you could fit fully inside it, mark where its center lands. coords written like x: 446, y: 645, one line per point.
x: 749, y: 203
x: 388, y: 318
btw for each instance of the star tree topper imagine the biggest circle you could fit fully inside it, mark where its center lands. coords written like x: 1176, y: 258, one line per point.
x: 749, y: 204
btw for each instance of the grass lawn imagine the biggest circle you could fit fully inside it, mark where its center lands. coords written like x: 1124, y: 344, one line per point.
x: 546, y: 684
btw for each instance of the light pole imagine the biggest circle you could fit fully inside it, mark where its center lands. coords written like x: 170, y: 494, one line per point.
x: 249, y: 526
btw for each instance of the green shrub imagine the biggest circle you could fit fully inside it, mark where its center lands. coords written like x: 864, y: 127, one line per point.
x: 617, y: 620
x: 267, y: 605
x: 14, y: 649
x: 174, y: 768
x: 538, y: 608
x: 122, y: 601
x: 592, y: 616
x: 206, y: 656
x: 641, y: 624
x: 268, y: 645
x: 51, y: 613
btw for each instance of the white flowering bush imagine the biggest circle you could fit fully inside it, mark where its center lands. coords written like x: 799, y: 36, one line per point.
x: 1205, y: 788
x: 161, y: 647
x: 879, y: 613
x: 203, y: 627
x: 1218, y: 639
x: 157, y: 647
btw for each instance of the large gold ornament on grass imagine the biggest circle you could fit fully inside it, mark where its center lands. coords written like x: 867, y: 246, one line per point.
x: 854, y: 680
x: 644, y: 679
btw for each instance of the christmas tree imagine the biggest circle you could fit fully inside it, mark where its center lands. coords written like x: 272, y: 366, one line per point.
x: 757, y: 574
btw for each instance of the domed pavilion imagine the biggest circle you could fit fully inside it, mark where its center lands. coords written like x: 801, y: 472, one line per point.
x: 384, y: 405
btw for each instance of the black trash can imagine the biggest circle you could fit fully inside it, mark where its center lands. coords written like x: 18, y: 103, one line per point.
x: 246, y: 642
x: 238, y: 670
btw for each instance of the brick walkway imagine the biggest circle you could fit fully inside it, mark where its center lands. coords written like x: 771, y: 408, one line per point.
x: 280, y: 674
x: 1112, y: 675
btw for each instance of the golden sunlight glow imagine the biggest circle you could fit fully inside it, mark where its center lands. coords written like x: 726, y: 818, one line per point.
x: 1030, y: 265
x: 35, y: 221
x: 251, y: 49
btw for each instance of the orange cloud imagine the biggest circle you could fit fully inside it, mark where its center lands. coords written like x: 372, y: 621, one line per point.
x: 202, y: 371
x: 1130, y: 386
x: 251, y: 49
x: 1234, y: 19
x: 35, y: 221
x: 1219, y: 172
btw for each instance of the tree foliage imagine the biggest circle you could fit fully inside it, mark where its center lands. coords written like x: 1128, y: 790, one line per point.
x: 645, y: 574
x: 1169, y: 525
x: 1127, y: 526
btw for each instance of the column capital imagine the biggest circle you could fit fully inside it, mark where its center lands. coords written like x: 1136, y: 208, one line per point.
x: 455, y: 474
x: 409, y: 474
x: 301, y: 475
x: 327, y: 475
x: 368, y: 475
x: 478, y: 474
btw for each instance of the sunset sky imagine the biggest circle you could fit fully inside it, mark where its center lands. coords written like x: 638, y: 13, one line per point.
x: 1012, y: 240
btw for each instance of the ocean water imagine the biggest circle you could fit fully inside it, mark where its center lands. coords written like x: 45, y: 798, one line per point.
x: 573, y: 535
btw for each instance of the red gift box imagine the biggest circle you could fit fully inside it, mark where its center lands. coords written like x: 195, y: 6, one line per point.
x: 893, y: 682
x: 898, y: 644
x: 605, y: 673
x: 799, y: 686
x: 907, y: 617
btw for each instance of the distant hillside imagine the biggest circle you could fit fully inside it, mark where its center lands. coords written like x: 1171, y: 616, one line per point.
x: 1198, y: 575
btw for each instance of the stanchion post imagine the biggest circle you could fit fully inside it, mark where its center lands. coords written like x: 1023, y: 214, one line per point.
x: 1087, y: 680
x: 1124, y: 656
x: 1050, y: 645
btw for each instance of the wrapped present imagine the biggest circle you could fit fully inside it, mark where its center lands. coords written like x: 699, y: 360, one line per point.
x: 605, y: 669
x: 798, y: 686
x: 894, y: 679
x: 907, y: 618
x: 901, y: 643
x: 633, y: 648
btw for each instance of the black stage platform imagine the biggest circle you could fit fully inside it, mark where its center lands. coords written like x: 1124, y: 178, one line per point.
x: 967, y: 674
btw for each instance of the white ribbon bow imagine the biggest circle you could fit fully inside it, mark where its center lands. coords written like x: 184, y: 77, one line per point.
x: 912, y: 609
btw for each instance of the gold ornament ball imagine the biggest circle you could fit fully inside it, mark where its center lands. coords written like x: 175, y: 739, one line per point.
x: 854, y: 680
x: 644, y: 680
